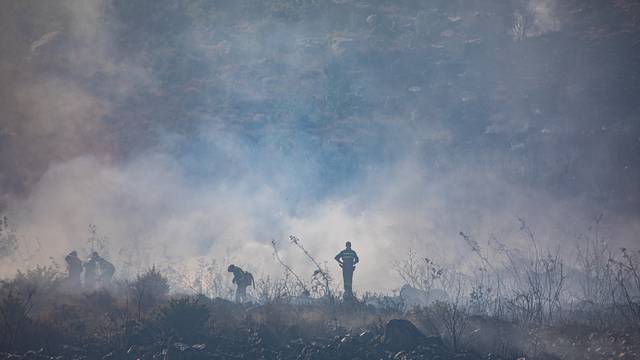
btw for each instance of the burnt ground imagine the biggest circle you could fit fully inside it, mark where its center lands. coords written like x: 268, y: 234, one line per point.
x: 102, y: 326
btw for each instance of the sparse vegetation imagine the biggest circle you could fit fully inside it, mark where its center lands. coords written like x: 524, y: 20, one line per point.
x: 342, y: 73
x: 148, y: 291
x: 518, y: 304
x: 8, y: 239
x: 186, y: 317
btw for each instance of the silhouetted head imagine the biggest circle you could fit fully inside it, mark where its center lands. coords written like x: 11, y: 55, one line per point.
x: 348, y: 244
x: 231, y: 268
x: 74, y: 253
x: 94, y: 255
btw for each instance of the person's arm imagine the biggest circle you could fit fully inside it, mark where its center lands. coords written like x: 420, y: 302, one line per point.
x: 355, y: 258
x: 339, y: 258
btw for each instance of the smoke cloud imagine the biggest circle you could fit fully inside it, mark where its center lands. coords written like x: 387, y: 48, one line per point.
x: 207, y: 129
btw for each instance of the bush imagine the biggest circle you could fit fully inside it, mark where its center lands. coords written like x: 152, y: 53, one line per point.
x: 149, y: 290
x: 39, y: 286
x: 71, y: 322
x: 185, y: 317
x: 14, y: 319
x: 41, y: 279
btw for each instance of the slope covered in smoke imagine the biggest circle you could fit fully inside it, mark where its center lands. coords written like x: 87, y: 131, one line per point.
x: 211, y: 127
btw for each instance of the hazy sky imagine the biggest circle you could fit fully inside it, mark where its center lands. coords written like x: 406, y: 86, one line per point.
x: 208, y: 128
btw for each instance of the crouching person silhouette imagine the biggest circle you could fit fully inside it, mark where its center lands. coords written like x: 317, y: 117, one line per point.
x: 242, y: 279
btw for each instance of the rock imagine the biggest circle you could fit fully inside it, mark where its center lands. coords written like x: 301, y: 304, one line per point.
x: 400, y: 334
x: 366, y: 337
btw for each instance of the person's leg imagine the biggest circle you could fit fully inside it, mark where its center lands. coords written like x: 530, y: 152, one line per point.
x: 90, y: 282
x: 344, y: 279
x: 74, y: 279
x: 347, y: 277
x: 237, y: 294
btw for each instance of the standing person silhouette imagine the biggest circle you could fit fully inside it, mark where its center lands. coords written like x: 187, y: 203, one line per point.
x: 106, y: 271
x: 74, y: 266
x: 347, y: 259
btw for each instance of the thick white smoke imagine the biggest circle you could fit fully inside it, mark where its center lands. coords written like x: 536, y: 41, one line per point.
x: 75, y: 172
x: 152, y: 203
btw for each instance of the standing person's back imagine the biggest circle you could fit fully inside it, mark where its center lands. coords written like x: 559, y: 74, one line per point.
x: 106, y: 271
x: 347, y: 259
x: 74, y: 266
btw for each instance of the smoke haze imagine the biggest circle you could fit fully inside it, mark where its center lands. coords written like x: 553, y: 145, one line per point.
x: 208, y: 128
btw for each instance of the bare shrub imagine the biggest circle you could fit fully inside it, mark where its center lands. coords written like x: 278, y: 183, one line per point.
x: 321, y: 279
x: 148, y: 290
x: 8, y: 238
x: 96, y: 242
x: 448, y: 318
x: 206, y: 278
x: 288, y: 269
x: 540, y: 280
x: 107, y: 319
x: 209, y: 279
x: 453, y: 315
x: 41, y: 285
x: 521, y: 25
x: 41, y: 279
x: 488, y: 287
x: 535, y: 281
x: 421, y: 273
x: 597, y: 288
x: 273, y: 290
x: 627, y: 275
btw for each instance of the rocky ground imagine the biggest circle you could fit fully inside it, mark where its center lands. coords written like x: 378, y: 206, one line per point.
x: 103, y: 326
x: 400, y: 340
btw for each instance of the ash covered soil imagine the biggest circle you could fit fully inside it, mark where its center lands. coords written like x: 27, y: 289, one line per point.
x: 202, y: 328
x: 100, y: 326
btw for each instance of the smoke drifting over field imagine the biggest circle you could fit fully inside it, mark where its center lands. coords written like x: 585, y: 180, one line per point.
x: 209, y: 128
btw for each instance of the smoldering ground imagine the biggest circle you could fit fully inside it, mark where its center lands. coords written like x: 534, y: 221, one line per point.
x: 208, y: 129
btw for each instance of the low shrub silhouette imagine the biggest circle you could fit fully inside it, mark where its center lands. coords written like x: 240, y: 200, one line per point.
x: 148, y: 290
x: 185, y: 317
x: 14, y: 319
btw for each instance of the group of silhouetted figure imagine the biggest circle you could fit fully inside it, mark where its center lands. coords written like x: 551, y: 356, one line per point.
x: 98, y: 273
x: 347, y: 259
